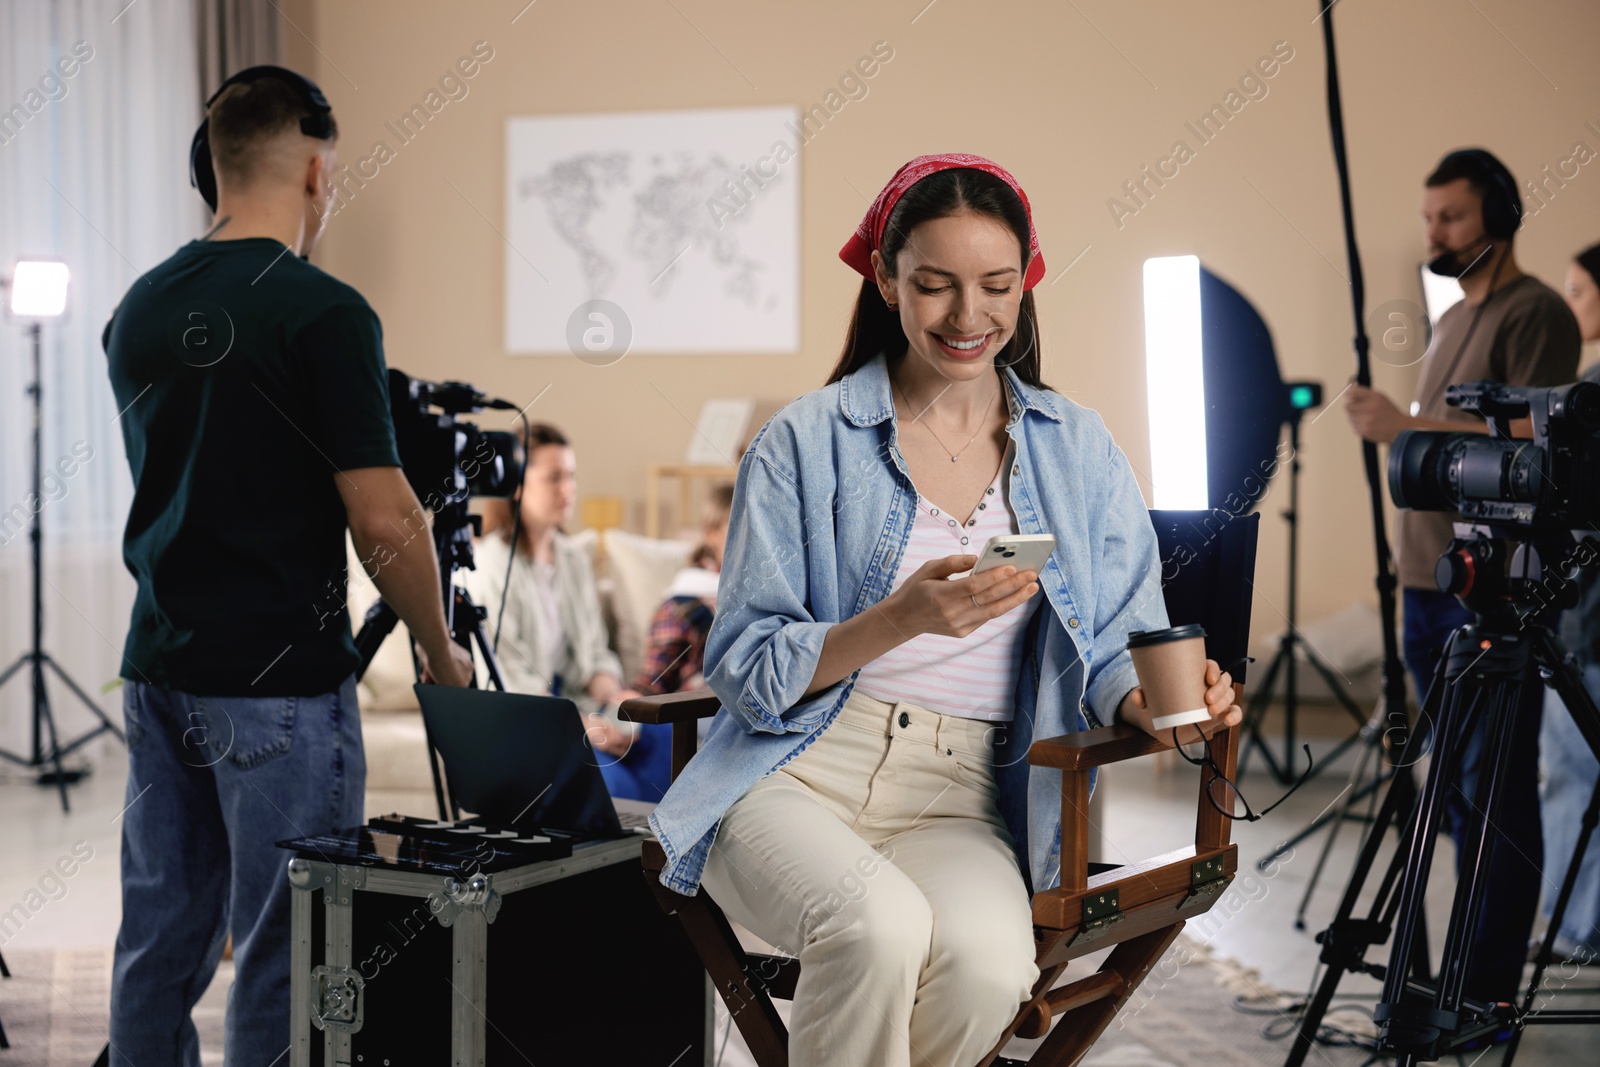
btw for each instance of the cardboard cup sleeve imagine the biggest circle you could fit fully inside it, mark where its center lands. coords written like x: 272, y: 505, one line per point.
x: 1171, y: 665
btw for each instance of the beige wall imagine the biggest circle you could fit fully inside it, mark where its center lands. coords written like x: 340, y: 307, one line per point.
x: 1074, y: 99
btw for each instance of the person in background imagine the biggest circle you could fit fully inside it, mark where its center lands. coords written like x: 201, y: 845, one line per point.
x: 552, y: 638
x: 674, y: 657
x: 676, y: 648
x: 1569, y: 764
x: 1508, y: 327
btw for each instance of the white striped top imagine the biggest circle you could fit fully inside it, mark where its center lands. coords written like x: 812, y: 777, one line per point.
x: 975, y: 676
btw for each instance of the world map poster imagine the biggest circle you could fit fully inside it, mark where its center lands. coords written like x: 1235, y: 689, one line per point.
x: 659, y: 232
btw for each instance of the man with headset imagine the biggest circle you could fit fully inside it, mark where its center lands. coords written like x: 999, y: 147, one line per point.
x: 255, y: 410
x: 1512, y: 328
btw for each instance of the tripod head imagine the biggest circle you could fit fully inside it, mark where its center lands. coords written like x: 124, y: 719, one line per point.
x: 1510, y: 575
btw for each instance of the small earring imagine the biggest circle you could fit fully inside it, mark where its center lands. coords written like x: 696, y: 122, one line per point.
x: 893, y: 306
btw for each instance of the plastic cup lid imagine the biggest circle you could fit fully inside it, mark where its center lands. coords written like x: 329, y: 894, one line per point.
x: 1145, y: 638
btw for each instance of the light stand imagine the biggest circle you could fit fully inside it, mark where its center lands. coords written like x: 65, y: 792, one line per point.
x: 1303, y: 396
x: 24, y: 290
x: 1390, y: 713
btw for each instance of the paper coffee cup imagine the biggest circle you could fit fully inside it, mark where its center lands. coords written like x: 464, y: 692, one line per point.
x: 1171, y: 665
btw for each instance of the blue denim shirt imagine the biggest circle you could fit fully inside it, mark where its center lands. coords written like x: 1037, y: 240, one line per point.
x: 822, y: 511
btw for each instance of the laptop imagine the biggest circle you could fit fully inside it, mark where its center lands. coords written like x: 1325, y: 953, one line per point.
x: 524, y: 761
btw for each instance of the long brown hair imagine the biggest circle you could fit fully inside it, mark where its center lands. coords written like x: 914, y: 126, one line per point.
x: 875, y: 327
x: 498, y: 514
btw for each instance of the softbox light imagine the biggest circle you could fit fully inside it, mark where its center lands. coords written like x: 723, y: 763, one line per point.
x: 1217, y: 403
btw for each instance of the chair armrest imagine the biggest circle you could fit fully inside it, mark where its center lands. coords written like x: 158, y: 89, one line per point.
x: 1093, y: 748
x: 687, y: 706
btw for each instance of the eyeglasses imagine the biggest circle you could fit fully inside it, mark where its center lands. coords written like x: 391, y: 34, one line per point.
x: 1221, y: 792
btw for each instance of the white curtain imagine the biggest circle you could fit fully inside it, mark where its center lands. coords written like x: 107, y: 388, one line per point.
x: 93, y: 171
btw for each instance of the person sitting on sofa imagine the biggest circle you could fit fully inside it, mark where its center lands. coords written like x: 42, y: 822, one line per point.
x: 674, y: 657
x: 552, y: 637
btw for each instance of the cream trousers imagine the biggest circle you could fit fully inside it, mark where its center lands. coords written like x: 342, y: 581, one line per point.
x: 879, y: 858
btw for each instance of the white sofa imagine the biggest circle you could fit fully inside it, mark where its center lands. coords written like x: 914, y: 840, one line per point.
x: 634, y: 573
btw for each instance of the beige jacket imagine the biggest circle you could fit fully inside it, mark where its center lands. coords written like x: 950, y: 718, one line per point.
x: 523, y: 659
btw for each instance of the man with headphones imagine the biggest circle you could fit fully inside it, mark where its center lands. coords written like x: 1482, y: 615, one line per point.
x: 255, y: 410
x: 1512, y: 328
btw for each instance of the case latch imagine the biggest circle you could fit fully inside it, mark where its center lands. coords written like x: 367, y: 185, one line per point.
x: 336, y: 999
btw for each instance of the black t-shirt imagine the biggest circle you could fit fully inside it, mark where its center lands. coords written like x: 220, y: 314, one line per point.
x: 247, y: 379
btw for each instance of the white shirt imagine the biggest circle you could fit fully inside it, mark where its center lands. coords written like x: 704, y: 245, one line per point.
x: 975, y: 676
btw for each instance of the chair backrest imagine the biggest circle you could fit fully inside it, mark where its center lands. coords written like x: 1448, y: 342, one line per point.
x: 1207, y: 567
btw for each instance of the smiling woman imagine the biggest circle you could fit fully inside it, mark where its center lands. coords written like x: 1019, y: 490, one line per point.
x: 868, y: 685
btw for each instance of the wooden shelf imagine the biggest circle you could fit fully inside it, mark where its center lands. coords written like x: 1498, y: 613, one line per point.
x: 688, y: 477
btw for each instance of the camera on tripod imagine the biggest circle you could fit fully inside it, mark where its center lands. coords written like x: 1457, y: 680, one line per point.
x: 448, y: 461
x: 445, y: 458
x: 1552, y: 482
x: 1520, y: 504
x: 1531, y: 494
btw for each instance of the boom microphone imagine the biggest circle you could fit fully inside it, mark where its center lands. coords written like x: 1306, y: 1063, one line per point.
x: 1447, y: 264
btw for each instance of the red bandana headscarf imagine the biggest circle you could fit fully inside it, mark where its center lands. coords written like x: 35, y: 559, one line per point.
x: 857, y: 251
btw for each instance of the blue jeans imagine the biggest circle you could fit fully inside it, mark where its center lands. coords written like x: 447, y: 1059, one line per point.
x: 1569, y: 778
x: 1513, y: 880
x: 645, y: 770
x: 213, y: 782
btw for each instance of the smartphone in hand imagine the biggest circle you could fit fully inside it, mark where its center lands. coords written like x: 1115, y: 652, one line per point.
x: 1026, y: 552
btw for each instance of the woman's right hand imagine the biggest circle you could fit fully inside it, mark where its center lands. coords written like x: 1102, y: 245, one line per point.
x: 930, y: 602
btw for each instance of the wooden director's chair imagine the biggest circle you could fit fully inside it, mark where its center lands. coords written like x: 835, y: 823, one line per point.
x: 1208, y: 561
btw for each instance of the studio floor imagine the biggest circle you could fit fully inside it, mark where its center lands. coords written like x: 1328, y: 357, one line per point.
x: 1149, y: 807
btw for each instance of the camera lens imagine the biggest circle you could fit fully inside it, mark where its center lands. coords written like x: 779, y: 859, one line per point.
x: 1433, y: 471
x: 1414, y: 470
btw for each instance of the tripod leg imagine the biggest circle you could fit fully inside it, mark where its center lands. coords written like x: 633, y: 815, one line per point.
x: 1339, y: 694
x: 1567, y: 681
x: 41, y: 713
x: 1460, y: 936
x: 1591, y: 818
x: 1394, y: 1010
x: 1568, y: 684
x: 378, y: 624
x: 470, y: 613
x: 14, y: 668
x: 1501, y: 691
x: 1320, y: 821
x: 22, y: 661
x: 1255, y: 713
x: 1356, y: 774
x: 88, y: 702
x: 5, y: 972
x: 1345, y: 941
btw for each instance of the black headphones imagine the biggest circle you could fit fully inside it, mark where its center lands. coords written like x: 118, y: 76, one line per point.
x: 318, y: 124
x: 1502, y: 204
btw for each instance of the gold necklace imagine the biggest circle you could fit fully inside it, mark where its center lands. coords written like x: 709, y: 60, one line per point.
x: 954, y: 456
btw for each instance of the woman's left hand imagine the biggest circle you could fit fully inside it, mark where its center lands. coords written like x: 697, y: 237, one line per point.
x: 1219, y: 702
